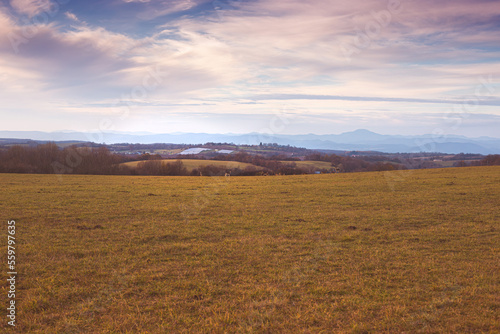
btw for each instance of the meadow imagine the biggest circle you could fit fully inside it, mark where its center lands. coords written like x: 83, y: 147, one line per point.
x: 318, y: 165
x: 191, y: 164
x: 412, y: 251
x: 197, y: 163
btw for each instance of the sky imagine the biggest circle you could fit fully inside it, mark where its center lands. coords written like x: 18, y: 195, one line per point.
x: 271, y: 66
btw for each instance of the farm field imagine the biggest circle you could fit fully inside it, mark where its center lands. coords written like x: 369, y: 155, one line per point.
x: 445, y: 163
x: 172, y: 151
x: 413, y: 251
x: 191, y: 164
x: 198, y: 163
x: 310, y: 164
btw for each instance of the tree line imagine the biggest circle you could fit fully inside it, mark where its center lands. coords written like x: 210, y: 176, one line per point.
x: 50, y: 159
x: 489, y: 160
x: 284, y: 164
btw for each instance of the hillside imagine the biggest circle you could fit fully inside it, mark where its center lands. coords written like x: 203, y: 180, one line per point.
x: 404, y: 251
x: 192, y: 164
x: 358, y: 140
x: 314, y: 165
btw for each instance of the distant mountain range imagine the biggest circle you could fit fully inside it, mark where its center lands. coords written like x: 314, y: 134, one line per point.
x: 359, y: 140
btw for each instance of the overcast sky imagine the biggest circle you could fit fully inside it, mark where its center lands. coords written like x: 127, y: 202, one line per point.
x: 274, y: 66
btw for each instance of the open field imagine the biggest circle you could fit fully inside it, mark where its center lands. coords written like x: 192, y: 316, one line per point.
x: 191, y: 164
x: 310, y: 164
x: 398, y: 252
x: 445, y: 163
x: 196, y: 163
x: 450, y: 163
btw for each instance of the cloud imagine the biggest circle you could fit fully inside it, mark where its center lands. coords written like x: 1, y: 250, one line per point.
x: 84, y: 57
x: 31, y: 7
x: 10, y: 33
x: 235, y: 53
x: 485, y: 102
x: 291, y: 25
x: 154, y: 9
x: 71, y: 16
x: 292, y: 44
x: 92, y: 61
x: 6, y: 23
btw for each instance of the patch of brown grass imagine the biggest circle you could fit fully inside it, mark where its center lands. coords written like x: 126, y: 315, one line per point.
x: 344, y: 253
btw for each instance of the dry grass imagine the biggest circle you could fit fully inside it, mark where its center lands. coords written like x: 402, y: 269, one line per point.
x: 311, y: 164
x: 403, y: 252
x: 194, y: 164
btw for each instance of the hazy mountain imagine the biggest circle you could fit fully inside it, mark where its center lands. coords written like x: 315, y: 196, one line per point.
x: 360, y: 140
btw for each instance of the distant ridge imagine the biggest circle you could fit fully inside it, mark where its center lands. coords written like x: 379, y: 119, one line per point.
x: 358, y: 140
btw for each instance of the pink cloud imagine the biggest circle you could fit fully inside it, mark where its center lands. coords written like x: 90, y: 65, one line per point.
x: 157, y: 9
x: 31, y: 7
x: 71, y: 16
x: 265, y: 46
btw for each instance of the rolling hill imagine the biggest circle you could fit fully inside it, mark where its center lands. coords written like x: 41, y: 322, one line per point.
x: 361, y: 140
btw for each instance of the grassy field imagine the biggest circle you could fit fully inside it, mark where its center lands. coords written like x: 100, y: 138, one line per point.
x: 311, y: 164
x: 396, y: 252
x: 172, y: 151
x: 445, y: 163
x: 195, y: 163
